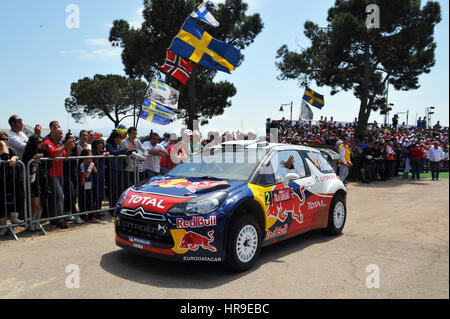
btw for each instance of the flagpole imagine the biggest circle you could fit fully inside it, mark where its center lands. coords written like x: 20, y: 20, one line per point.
x: 140, y: 108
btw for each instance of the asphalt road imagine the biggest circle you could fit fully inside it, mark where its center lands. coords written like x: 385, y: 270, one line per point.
x: 401, y: 227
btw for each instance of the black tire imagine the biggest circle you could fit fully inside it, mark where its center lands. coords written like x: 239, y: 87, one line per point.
x: 336, y: 222
x: 240, y: 227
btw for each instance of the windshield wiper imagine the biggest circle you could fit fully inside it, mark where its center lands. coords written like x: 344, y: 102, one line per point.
x: 212, y: 177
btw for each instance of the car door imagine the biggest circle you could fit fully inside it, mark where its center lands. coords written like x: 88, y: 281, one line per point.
x: 285, y: 203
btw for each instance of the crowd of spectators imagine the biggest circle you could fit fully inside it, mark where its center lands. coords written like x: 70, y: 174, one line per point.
x: 95, y: 171
x: 380, y: 154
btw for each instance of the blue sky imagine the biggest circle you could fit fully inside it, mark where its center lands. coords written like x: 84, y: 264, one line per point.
x: 41, y: 57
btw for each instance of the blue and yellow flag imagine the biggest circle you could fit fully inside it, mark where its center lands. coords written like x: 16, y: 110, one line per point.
x: 153, y: 112
x: 313, y: 98
x: 200, y: 47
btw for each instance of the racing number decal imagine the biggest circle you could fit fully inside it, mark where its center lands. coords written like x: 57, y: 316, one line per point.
x: 268, y: 198
x: 317, y: 162
x: 279, y: 195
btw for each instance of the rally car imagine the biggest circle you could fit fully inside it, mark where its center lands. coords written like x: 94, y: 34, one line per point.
x: 228, y: 202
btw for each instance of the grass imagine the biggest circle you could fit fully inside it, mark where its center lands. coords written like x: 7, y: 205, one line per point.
x: 428, y: 175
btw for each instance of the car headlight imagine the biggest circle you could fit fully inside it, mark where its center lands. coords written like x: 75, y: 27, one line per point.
x: 201, y: 205
x: 123, y: 197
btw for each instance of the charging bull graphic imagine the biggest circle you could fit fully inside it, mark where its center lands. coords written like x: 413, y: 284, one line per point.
x: 190, y: 186
x: 193, y: 241
x: 281, y: 209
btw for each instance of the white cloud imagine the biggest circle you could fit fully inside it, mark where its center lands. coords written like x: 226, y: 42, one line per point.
x: 137, y: 20
x: 99, y: 48
x: 97, y: 42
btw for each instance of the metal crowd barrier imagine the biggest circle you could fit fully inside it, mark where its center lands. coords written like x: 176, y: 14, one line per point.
x: 12, y: 196
x: 53, y: 189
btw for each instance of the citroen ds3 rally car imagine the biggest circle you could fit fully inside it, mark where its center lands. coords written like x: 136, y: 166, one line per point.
x: 228, y: 202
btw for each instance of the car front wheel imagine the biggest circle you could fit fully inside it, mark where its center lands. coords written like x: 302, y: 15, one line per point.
x: 243, y: 243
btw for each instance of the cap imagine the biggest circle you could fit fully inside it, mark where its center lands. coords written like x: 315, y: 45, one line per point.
x: 188, y: 132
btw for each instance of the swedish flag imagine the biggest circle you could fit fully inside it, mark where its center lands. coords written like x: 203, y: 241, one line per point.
x: 200, y: 47
x: 153, y: 112
x: 313, y: 98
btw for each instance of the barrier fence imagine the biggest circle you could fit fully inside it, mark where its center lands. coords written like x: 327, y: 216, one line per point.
x: 12, y: 196
x: 62, y: 189
x: 58, y: 189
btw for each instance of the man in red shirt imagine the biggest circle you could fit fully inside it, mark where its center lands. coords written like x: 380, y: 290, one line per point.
x: 415, y: 154
x: 176, y: 154
x: 53, y: 149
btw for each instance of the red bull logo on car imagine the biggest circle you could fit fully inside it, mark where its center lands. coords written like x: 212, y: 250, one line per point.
x: 282, y: 209
x: 196, y: 222
x: 190, y: 186
x: 194, y: 241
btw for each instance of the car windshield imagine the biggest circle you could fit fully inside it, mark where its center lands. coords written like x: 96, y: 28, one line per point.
x: 221, y: 164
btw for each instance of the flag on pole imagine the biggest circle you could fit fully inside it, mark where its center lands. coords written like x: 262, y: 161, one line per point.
x: 156, y: 113
x: 306, y: 113
x: 200, y: 47
x: 202, y: 13
x: 177, y: 67
x: 162, y: 94
x: 313, y: 98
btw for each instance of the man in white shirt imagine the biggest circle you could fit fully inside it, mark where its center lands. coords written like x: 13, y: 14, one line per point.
x: 155, y: 150
x: 16, y: 138
x: 435, y: 155
x: 138, y: 156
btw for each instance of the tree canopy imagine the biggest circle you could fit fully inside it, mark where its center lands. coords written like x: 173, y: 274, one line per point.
x: 144, y: 50
x: 110, y: 96
x: 346, y: 55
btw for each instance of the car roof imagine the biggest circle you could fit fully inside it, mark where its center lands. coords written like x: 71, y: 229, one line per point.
x: 254, y: 144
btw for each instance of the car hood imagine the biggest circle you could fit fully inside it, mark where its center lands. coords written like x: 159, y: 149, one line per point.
x: 159, y: 194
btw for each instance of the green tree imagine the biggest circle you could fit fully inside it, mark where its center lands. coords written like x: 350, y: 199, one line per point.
x: 144, y: 50
x: 110, y: 96
x: 346, y: 55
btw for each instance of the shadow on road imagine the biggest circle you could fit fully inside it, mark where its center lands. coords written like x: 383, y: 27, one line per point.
x: 195, y: 275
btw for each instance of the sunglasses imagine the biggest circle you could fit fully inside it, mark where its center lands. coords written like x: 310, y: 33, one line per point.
x: 4, y: 139
x: 56, y: 127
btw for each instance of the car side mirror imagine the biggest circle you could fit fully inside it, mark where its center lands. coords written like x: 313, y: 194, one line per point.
x: 290, y: 177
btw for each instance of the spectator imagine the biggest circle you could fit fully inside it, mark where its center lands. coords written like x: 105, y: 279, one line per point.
x: 99, y: 176
x: 344, y: 159
x: 38, y: 177
x: 53, y: 149
x: 389, y: 159
x: 83, y: 142
x: 176, y: 154
x: 155, y: 151
x: 186, y: 141
x: 90, y: 138
x: 70, y: 181
x: 52, y: 125
x: 137, y: 159
x: 6, y: 187
x: 435, y: 155
x: 17, y: 139
x: 415, y: 155
x: 437, y: 126
x: 166, y: 140
x: 86, y: 200
x: 115, y: 177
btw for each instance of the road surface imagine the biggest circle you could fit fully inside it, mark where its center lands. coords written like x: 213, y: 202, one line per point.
x: 396, y: 240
